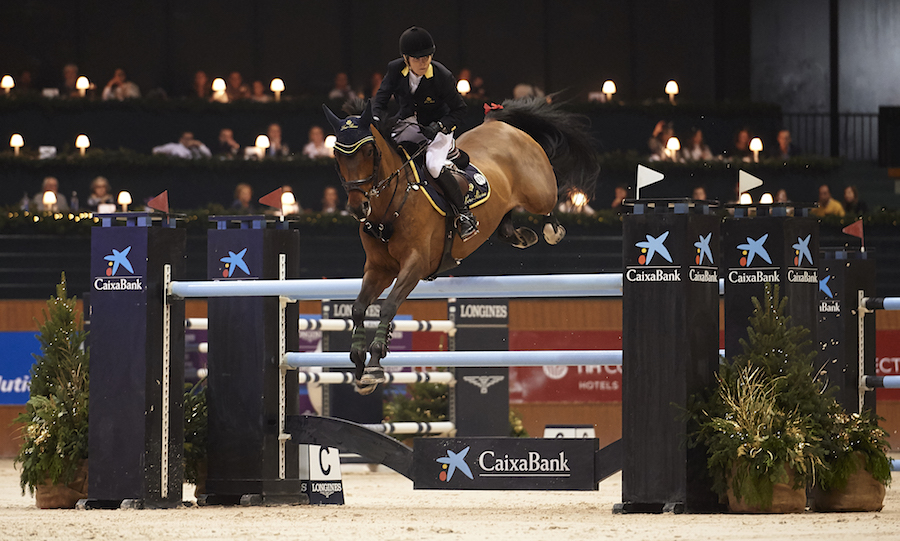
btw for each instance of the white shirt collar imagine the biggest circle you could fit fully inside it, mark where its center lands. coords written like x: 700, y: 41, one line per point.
x: 414, y: 81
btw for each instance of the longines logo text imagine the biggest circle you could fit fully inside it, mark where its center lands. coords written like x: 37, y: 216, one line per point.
x: 497, y: 311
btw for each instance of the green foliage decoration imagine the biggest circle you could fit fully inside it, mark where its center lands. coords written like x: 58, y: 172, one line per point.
x: 55, y: 422
x: 196, y: 430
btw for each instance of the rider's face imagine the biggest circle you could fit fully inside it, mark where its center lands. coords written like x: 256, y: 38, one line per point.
x: 419, y: 65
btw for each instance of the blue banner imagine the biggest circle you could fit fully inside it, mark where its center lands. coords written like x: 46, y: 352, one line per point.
x: 15, y: 366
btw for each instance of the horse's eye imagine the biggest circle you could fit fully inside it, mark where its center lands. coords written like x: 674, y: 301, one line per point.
x: 368, y: 151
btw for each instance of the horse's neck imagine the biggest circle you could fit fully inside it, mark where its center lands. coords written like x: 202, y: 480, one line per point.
x: 390, y: 195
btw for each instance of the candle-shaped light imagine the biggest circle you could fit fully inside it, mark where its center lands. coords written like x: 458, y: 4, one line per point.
x: 463, y: 87
x: 766, y: 199
x: 609, y: 88
x: 218, y: 88
x: 17, y: 142
x: 82, y: 84
x: 756, y: 147
x: 277, y: 86
x: 672, y: 90
x: 673, y: 145
x: 578, y: 199
x: 7, y: 83
x: 330, y: 141
x: 124, y: 199
x: 746, y: 199
x: 82, y: 143
x: 262, y: 143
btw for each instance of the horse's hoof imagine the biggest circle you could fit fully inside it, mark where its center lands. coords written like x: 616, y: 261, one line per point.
x: 553, y: 236
x: 358, y: 357
x: 373, y: 376
x: 526, y: 237
x: 363, y: 389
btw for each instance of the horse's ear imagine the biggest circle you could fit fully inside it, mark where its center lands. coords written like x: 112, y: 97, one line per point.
x: 366, y: 118
x: 332, y: 118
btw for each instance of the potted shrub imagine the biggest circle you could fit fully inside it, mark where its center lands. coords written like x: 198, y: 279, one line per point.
x: 54, y: 452
x: 858, y: 466
x: 196, y: 429
x: 759, y: 454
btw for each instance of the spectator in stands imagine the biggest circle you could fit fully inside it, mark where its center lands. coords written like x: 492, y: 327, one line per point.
x: 50, y: 184
x: 341, y: 90
x: 785, y: 148
x: 316, y: 148
x: 120, y: 88
x: 277, y: 147
x: 227, y: 147
x: 187, y: 147
x: 331, y: 202
x: 696, y: 148
x: 259, y: 94
x: 657, y: 143
x: 101, y: 193
x: 621, y: 193
x: 852, y: 204
x: 741, y: 151
x: 699, y: 193
x: 202, y: 88
x: 243, y: 199
x: 523, y: 90
x: 24, y: 84
x: 236, y: 89
x: 374, y: 84
x: 476, y: 84
x: 70, y: 76
x: 827, y: 205
x: 781, y: 196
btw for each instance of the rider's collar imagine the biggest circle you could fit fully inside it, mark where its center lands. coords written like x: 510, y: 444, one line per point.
x: 429, y: 73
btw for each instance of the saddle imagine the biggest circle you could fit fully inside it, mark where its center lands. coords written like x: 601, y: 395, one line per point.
x: 472, y: 183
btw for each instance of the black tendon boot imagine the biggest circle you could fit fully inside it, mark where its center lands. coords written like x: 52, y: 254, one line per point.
x: 466, y: 223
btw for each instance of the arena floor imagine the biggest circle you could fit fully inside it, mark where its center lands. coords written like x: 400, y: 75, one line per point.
x: 383, y: 505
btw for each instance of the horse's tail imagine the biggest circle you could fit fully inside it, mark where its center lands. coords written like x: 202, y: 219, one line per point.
x: 564, y: 137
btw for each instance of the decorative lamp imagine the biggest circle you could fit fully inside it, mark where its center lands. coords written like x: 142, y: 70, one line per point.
x: 756, y: 146
x: 287, y: 199
x: 671, y: 90
x: 82, y: 143
x: 277, y: 86
x: 609, y: 88
x: 673, y: 145
x: 7, y: 83
x: 124, y: 199
x: 578, y: 199
x: 17, y: 142
x: 82, y: 84
x: 330, y: 141
x: 463, y: 87
x: 49, y: 200
x: 766, y: 199
x: 746, y: 199
x: 218, y: 88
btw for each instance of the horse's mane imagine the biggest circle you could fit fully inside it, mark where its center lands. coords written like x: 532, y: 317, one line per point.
x: 564, y: 137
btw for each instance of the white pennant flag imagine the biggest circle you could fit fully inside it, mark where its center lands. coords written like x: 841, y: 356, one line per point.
x: 747, y: 182
x: 646, y: 177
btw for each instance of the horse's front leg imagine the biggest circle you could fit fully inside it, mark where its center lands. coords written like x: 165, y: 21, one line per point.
x: 411, y: 272
x: 373, y: 283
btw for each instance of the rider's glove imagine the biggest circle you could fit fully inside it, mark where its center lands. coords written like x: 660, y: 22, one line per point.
x: 431, y: 130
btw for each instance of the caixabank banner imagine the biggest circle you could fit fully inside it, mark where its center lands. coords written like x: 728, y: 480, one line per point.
x: 504, y: 464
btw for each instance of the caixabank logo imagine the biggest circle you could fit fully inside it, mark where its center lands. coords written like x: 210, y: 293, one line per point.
x: 803, y: 270
x: 234, y: 261
x: 116, y: 278
x: 650, y: 267
x: 490, y: 463
x: 828, y: 301
x: 704, y: 268
x: 754, y: 250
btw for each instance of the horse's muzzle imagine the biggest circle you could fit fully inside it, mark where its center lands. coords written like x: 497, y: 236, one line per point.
x: 361, y: 211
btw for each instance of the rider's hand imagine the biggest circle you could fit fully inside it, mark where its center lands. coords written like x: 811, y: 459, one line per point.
x: 431, y: 130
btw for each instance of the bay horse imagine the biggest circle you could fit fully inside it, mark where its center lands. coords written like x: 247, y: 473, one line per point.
x: 522, y: 148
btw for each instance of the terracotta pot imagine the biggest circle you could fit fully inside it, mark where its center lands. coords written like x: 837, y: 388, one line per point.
x: 60, y: 496
x: 862, y: 493
x: 785, y: 498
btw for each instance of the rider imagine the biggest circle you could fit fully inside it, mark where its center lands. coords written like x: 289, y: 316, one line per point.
x: 430, y: 109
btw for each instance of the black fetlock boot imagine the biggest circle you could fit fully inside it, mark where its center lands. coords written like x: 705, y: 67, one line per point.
x: 466, y: 223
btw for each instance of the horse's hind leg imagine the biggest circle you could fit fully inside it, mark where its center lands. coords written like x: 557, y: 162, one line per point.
x: 553, y: 230
x: 373, y: 283
x: 522, y: 237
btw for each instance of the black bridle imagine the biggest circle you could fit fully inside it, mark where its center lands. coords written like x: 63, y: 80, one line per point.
x: 379, y: 186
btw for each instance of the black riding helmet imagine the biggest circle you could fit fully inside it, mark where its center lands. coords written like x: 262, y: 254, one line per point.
x: 416, y: 42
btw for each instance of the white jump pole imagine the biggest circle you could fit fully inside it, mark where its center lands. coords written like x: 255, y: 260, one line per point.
x: 439, y: 427
x: 456, y: 359
x: 401, y: 325
x: 338, y: 378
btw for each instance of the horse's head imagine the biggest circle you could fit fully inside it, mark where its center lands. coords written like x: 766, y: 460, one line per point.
x: 357, y: 158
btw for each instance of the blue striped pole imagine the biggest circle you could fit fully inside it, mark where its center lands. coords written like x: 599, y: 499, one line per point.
x: 883, y: 382
x: 882, y: 303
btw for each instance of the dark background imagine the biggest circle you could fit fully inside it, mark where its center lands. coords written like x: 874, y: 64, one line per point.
x: 555, y: 44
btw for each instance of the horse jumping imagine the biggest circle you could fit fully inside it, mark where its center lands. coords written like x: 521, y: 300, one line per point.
x: 523, y: 149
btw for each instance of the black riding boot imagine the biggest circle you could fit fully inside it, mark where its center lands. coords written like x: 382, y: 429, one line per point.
x: 466, y: 223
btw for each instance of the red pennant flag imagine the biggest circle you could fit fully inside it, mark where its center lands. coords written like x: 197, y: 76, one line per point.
x: 272, y: 199
x: 855, y: 229
x: 160, y: 202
